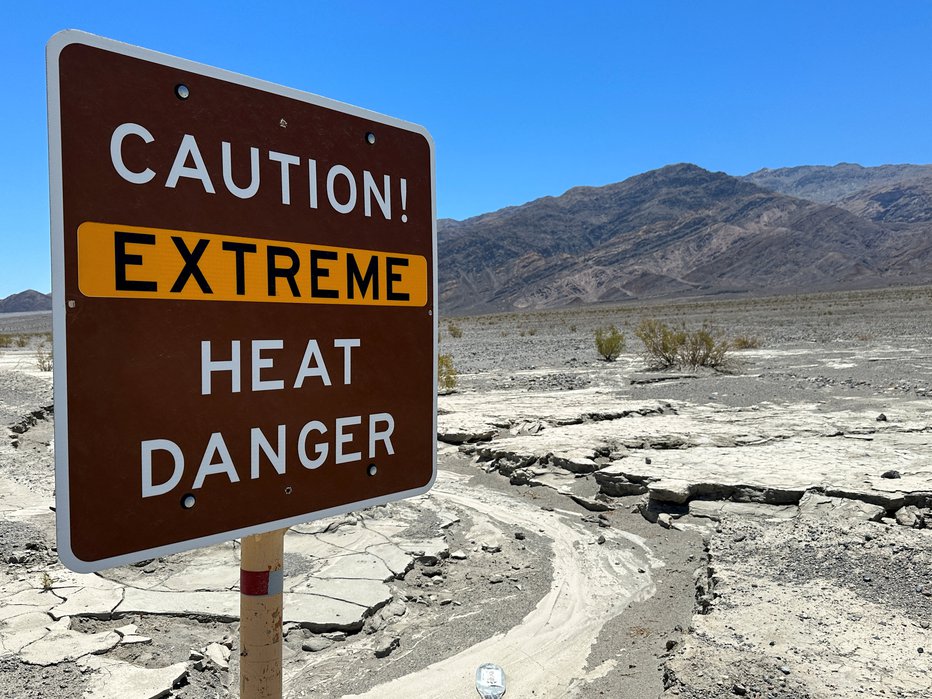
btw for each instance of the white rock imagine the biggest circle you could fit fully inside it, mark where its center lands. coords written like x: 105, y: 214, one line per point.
x: 19, y: 630
x: 117, y: 679
x: 218, y: 654
x: 222, y: 604
x: 61, y: 644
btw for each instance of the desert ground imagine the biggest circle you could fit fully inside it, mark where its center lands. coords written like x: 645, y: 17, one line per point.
x: 597, y: 528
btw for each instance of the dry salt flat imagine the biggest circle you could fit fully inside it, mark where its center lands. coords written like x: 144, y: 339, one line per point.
x: 359, y: 589
x: 597, y: 529
x: 808, y: 471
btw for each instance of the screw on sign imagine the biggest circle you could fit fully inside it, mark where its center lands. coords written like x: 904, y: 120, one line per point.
x: 244, y: 295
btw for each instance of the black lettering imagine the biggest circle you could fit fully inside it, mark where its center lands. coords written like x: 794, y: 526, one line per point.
x: 190, y: 269
x: 316, y: 272
x: 392, y: 277
x: 288, y: 273
x: 121, y: 259
x: 355, y: 279
x: 240, y: 250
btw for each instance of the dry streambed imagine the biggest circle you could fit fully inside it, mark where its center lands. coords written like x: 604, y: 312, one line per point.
x: 808, y: 475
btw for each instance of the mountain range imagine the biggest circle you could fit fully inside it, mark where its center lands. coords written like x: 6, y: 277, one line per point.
x: 26, y: 301
x: 685, y: 231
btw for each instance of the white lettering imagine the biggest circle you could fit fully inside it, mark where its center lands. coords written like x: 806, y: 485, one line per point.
x: 276, y: 457
x: 149, y: 489
x: 312, y: 354
x: 344, y: 438
x: 116, y: 152
x: 369, y: 188
x: 347, y: 344
x: 259, y: 363
x: 241, y: 192
x: 286, y: 161
x: 179, y: 169
x: 377, y: 435
x: 216, y: 445
x: 322, y: 449
x: 189, y: 163
x: 350, y: 203
x: 312, y: 187
x: 209, y: 366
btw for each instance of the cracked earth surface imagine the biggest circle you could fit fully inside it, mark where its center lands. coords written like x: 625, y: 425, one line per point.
x: 597, y: 529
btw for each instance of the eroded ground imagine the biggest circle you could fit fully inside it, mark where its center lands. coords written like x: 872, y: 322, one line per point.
x: 598, y: 529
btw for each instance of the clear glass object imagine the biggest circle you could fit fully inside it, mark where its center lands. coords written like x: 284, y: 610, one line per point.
x: 490, y: 681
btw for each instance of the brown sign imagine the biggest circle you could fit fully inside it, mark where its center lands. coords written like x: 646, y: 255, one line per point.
x: 245, y: 304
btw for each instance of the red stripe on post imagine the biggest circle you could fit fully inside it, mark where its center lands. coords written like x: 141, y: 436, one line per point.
x: 254, y: 583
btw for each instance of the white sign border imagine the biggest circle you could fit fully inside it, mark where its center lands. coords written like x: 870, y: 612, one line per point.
x: 60, y: 376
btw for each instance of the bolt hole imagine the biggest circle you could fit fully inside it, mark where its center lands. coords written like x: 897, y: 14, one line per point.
x: 187, y: 502
x: 288, y: 490
x: 370, y: 138
x: 182, y: 92
x: 373, y: 469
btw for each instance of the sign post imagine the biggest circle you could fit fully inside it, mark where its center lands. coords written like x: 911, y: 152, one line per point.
x: 244, y: 314
x: 260, y: 630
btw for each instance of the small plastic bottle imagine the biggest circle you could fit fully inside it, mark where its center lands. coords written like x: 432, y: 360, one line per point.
x: 490, y: 681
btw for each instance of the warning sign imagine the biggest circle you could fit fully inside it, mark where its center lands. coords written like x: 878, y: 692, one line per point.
x: 244, y: 304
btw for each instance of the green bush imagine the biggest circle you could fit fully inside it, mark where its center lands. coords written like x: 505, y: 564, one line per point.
x: 609, y: 342
x: 666, y: 347
x: 704, y: 347
x: 446, y: 372
x: 661, y: 343
x: 6, y: 340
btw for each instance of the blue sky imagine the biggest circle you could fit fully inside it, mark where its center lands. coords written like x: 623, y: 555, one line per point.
x: 524, y: 99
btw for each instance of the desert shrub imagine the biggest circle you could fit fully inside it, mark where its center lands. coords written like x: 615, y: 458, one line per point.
x: 704, y: 347
x: 744, y: 342
x: 44, y: 357
x: 609, y: 343
x: 666, y: 347
x: 6, y: 341
x: 446, y: 372
x: 532, y: 331
x: 454, y: 330
x: 21, y: 340
x: 661, y: 343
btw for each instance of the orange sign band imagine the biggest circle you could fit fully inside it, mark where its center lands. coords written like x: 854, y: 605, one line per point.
x: 117, y: 261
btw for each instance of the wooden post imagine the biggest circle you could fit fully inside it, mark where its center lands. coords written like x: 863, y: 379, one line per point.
x: 260, y: 603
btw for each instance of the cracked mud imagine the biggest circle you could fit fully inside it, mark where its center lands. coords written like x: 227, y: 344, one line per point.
x: 596, y: 529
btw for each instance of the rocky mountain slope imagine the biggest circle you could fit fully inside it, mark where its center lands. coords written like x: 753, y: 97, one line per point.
x: 679, y: 230
x: 26, y: 301
x: 832, y: 184
x: 907, y: 201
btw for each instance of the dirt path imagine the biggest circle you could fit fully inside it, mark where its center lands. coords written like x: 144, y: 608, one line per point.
x: 546, y: 654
